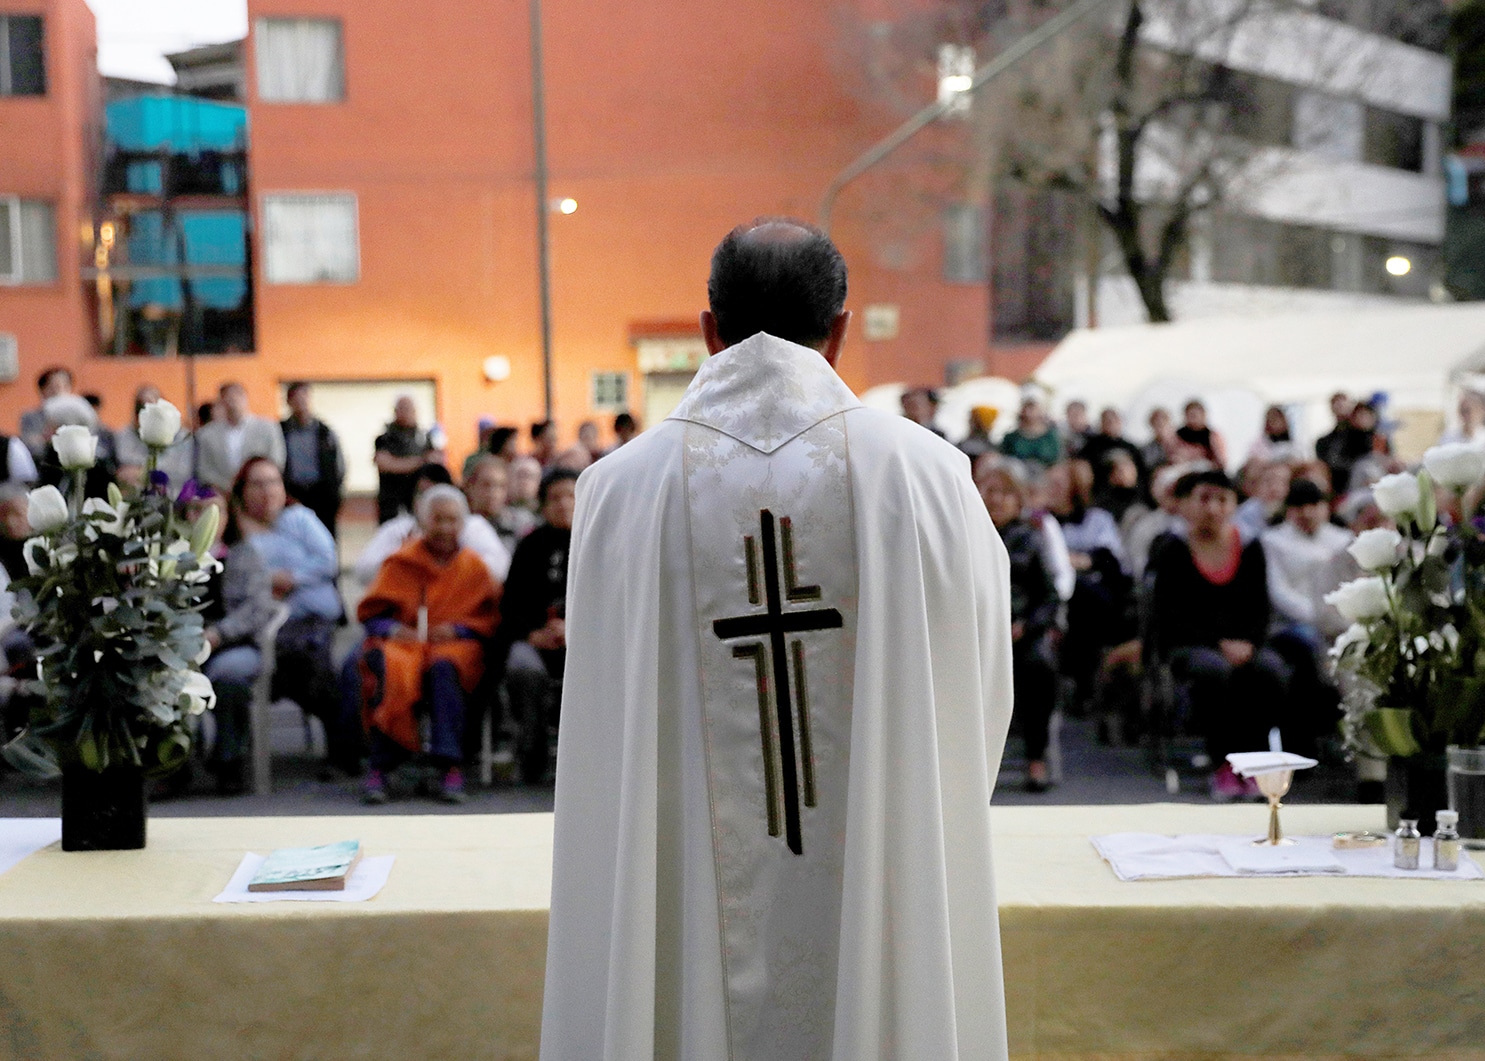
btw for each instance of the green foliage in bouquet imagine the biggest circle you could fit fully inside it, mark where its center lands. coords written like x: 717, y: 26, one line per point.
x: 113, y: 604
x: 1413, y: 659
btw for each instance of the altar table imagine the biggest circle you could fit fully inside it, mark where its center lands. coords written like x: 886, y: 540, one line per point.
x: 123, y: 954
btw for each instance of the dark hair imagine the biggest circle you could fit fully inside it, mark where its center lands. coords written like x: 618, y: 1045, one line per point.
x: 204, y: 413
x: 239, y: 487
x: 47, y: 374
x: 539, y: 428
x: 1186, y: 485
x: 623, y: 422
x: 499, y: 437
x: 239, y: 482
x: 926, y: 392
x: 292, y: 388
x: 779, y: 276
x: 95, y: 400
x: 551, y: 479
x: 1303, y: 492
x: 433, y: 473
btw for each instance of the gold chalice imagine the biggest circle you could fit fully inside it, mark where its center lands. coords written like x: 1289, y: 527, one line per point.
x: 1275, y: 785
x: 1273, y: 771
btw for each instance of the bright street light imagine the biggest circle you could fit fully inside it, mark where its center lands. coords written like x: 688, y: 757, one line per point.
x: 567, y: 206
x: 1397, y: 265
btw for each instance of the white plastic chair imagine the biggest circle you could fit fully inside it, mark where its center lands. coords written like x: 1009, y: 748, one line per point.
x: 258, y: 727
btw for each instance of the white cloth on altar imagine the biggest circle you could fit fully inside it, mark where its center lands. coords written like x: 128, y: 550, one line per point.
x: 635, y: 965
x: 23, y: 837
x: 1151, y: 856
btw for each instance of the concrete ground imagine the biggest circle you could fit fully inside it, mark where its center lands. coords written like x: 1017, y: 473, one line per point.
x: 1092, y: 773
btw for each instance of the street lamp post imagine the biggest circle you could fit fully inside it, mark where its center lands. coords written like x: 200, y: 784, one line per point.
x: 543, y: 238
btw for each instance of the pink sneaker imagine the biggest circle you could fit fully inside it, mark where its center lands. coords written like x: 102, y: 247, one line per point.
x: 1226, y: 785
x: 452, y: 788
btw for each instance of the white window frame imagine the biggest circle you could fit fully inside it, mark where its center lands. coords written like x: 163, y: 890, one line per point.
x: 271, y: 273
x: 13, y: 204
x: 611, y: 405
x: 10, y: 358
x: 290, y: 95
x: 260, y: 28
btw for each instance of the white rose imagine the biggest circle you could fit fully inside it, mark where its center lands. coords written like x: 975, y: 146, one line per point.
x: 159, y: 423
x: 33, y: 548
x: 1376, y: 549
x: 1360, y: 599
x: 1397, y: 495
x: 114, y: 524
x: 46, y: 509
x: 1355, y: 634
x: 63, y: 555
x: 199, y: 694
x: 76, y: 447
x: 1456, y: 465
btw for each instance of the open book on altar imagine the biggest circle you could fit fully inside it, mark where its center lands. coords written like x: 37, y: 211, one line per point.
x: 323, y: 868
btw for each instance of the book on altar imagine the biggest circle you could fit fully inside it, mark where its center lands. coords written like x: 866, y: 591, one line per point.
x: 320, y: 869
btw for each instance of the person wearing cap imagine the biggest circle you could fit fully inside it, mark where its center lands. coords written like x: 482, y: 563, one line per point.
x: 977, y: 443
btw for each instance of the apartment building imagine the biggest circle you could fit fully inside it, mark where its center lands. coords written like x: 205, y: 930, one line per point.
x: 1347, y: 203
x: 392, y: 231
x: 49, y: 93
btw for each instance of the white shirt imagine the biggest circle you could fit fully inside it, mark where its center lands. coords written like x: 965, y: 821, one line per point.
x: 1302, y: 569
x: 232, y: 435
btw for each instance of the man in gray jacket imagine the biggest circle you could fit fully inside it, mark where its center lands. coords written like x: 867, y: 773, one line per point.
x: 225, y: 444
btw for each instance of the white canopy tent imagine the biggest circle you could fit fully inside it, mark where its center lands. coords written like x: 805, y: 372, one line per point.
x: 956, y: 402
x: 1416, y: 356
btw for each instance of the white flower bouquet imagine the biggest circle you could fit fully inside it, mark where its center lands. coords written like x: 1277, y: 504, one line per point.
x: 1413, y: 659
x: 112, y: 602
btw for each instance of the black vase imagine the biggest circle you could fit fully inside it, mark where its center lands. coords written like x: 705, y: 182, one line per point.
x: 1416, y: 788
x: 102, y: 810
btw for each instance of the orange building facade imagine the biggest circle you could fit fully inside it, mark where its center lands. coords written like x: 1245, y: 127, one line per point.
x: 394, y: 225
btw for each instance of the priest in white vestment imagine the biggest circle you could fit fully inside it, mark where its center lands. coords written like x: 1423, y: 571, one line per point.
x: 787, y: 691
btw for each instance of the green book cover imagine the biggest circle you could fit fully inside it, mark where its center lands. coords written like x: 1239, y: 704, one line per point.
x: 305, y: 866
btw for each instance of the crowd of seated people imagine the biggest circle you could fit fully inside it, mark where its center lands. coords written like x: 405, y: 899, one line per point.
x: 1129, y: 558
x: 461, y: 590
x: 1134, y: 560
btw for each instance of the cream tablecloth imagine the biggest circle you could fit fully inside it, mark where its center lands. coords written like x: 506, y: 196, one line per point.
x: 123, y: 954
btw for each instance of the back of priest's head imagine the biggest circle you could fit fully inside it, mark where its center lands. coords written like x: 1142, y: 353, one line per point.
x: 780, y: 276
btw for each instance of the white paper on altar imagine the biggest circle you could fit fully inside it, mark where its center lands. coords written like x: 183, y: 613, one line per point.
x: 366, y: 879
x: 1305, y: 857
x: 20, y: 837
x: 1251, y: 764
x: 1150, y: 856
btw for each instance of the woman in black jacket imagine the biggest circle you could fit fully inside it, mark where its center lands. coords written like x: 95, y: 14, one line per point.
x: 1211, y: 615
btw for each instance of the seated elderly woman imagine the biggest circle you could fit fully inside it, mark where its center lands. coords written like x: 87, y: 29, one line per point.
x: 427, y: 615
x: 300, y: 556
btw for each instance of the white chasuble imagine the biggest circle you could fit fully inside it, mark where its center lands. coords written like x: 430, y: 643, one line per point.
x: 787, y: 691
